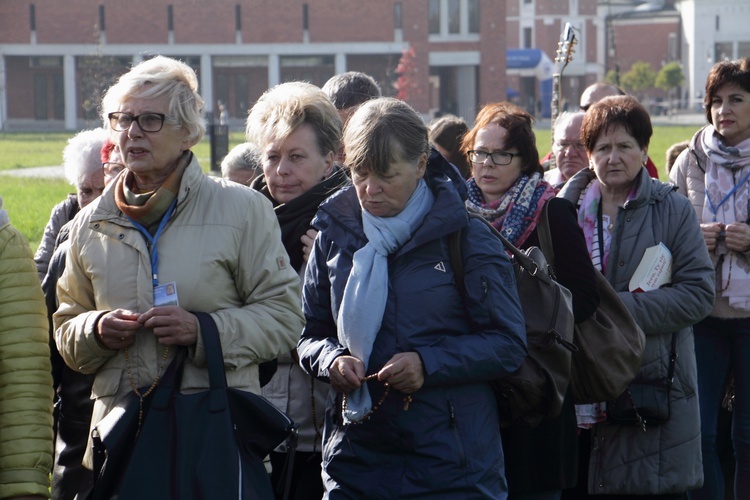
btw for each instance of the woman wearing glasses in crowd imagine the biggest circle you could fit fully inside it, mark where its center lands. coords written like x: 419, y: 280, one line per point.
x: 714, y: 173
x: 507, y: 188
x: 164, y: 241
x: 411, y: 413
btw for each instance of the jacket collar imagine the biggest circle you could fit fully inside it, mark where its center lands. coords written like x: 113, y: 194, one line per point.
x: 105, y: 208
x: 649, y: 191
x: 448, y: 213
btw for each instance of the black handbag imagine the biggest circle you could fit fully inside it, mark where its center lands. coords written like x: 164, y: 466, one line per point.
x: 209, y: 444
x: 645, y: 402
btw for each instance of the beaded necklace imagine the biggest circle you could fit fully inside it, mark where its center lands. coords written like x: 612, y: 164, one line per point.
x: 134, y: 385
x: 407, y: 400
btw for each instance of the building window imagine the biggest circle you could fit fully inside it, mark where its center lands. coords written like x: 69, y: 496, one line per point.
x: 238, y: 17
x: 397, y: 16
x: 672, y: 47
x: 40, y: 97
x: 434, y: 13
x: 170, y: 20
x: 454, y: 16
x: 473, y: 16
x: 454, y: 19
x: 527, y: 38
x: 102, y: 26
x: 723, y: 52
x: 32, y: 17
x: 305, y: 20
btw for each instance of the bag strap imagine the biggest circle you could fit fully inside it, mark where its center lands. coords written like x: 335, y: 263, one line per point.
x: 456, y: 259
x: 545, y: 236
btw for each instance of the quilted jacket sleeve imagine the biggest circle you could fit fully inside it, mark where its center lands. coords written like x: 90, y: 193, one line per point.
x: 25, y: 373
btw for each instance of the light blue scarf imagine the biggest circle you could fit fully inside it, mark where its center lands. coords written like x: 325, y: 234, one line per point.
x: 366, y: 291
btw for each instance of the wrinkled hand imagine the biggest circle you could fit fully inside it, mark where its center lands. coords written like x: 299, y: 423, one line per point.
x: 117, y: 328
x: 711, y: 232
x: 738, y: 237
x: 346, y: 373
x: 404, y: 372
x: 307, y: 240
x: 172, y: 325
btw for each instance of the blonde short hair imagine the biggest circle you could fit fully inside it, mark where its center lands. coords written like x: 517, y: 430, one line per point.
x: 157, y: 77
x: 284, y: 108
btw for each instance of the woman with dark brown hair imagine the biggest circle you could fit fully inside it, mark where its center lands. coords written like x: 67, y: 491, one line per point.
x: 714, y: 173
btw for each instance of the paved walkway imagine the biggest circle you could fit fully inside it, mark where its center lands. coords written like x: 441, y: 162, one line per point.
x: 37, y: 172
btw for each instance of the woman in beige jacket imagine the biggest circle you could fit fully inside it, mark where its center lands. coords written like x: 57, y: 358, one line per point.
x: 163, y: 241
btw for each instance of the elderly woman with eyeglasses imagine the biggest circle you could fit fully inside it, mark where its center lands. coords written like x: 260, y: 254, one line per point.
x: 164, y: 226
x: 508, y: 190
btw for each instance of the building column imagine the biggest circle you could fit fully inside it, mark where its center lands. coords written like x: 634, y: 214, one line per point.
x: 3, y: 95
x: 274, y: 70
x: 69, y: 90
x: 207, y: 83
x: 340, y: 63
x: 466, y: 97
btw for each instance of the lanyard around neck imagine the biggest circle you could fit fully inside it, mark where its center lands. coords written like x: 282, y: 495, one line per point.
x: 153, y: 239
x: 715, y: 208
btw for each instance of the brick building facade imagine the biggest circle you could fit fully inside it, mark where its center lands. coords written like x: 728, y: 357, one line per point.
x: 57, y: 57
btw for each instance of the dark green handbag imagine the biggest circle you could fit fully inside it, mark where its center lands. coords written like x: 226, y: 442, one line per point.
x: 209, y: 444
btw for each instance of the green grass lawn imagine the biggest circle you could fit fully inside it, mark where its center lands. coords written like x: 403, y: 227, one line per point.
x: 29, y: 201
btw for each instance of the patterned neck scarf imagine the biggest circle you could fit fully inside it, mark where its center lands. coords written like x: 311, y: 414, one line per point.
x: 588, y: 218
x: 148, y: 208
x: 518, y: 211
x: 727, y: 181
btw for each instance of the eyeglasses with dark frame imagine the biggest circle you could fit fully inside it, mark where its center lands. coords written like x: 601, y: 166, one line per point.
x: 147, y: 122
x: 498, y: 157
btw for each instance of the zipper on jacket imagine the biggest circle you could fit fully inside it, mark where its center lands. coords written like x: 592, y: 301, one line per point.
x: 453, y: 424
x: 485, y: 289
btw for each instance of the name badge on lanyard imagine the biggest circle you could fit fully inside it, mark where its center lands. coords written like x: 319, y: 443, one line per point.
x: 164, y: 294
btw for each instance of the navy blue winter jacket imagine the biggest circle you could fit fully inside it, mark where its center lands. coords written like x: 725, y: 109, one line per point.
x: 448, y: 442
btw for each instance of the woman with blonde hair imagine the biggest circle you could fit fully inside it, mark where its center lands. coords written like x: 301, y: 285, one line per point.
x: 163, y: 224
x: 297, y: 131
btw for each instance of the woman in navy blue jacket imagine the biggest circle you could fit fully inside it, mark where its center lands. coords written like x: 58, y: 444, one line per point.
x: 407, y: 353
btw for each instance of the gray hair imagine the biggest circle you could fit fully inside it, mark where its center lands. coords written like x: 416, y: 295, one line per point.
x: 158, y: 77
x: 383, y: 131
x: 82, y: 155
x: 566, y: 117
x: 283, y: 108
x: 245, y: 156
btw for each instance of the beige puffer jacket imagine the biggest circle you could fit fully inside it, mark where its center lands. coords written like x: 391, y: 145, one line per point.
x: 222, y: 247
